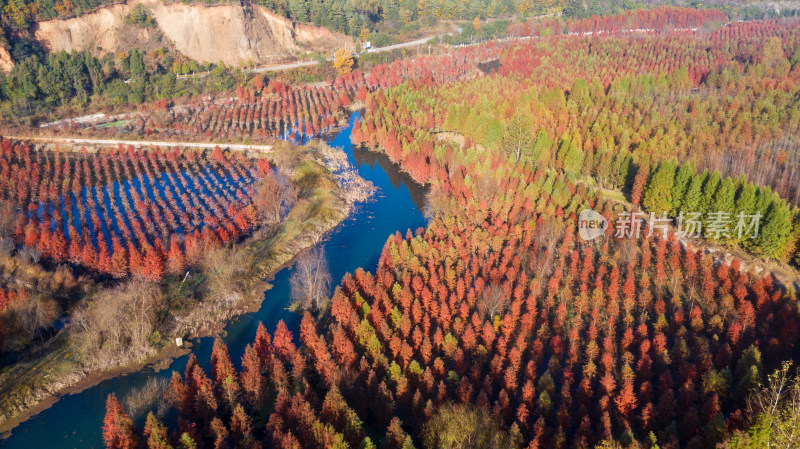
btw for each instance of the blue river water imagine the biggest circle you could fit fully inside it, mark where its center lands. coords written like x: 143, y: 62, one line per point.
x: 75, y: 421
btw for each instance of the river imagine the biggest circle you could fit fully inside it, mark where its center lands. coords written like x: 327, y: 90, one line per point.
x: 75, y: 421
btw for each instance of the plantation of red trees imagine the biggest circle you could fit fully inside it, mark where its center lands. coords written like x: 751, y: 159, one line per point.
x: 121, y: 211
x: 611, y: 107
x: 681, y: 84
x: 565, y: 342
x: 498, y: 303
x: 275, y: 110
x: 653, y: 20
x: 278, y: 111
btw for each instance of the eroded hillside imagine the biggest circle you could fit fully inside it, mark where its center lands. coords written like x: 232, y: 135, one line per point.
x: 234, y: 34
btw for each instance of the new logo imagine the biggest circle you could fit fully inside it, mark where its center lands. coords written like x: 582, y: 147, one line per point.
x: 591, y: 224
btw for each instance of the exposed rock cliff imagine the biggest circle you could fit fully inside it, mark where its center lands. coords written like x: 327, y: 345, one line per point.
x: 6, y: 63
x: 231, y: 33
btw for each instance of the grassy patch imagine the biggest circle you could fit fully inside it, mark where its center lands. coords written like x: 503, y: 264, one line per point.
x: 117, y: 124
x: 613, y: 195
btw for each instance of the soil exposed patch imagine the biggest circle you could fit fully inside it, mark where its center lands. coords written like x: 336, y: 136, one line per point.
x: 231, y: 33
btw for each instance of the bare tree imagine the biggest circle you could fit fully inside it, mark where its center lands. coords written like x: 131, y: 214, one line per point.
x: 546, y: 235
x: 6, y: 246
x: 518, y: 137
x: 117, y: 324
x: 311, y: 281
x: 628, y: 251
x: 30, y: 255
x: 149, y: 396
x: 437, y: 202
x: 493, y: 301
x: 778, y: 407
x: 462, y: 426
x: 8, y: 216
x: 274, y: 198
x: 224, y: 269
x: 778, y: 390
x: 25, y: 317
x: 486, y: 187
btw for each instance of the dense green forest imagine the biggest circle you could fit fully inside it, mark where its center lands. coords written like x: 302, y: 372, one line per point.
x: 351, y: 16
x: 40, y: 83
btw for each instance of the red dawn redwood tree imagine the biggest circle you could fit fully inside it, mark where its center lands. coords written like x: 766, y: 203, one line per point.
x: 153, y: 264
x: 118, y: 429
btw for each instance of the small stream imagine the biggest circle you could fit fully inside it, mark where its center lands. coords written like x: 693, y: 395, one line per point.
x: 75, y: 421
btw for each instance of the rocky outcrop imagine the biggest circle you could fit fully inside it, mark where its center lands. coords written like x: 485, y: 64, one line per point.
x: 99, y: 32
x: 6, y: 63
x: 231, y: 33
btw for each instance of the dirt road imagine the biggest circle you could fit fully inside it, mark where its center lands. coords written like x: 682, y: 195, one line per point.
x: 144, y: 143
x: 295, y: 65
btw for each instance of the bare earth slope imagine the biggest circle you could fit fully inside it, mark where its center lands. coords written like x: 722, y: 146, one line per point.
x: 6, y: 63
x: 230, y: 33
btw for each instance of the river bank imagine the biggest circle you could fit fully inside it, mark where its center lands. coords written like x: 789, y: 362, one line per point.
x: 76, y: 420
x: 29, y: 388
x: 40, y: 397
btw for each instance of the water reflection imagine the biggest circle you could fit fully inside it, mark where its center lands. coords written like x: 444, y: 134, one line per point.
x: 76, y: 420
x: 397, y: 177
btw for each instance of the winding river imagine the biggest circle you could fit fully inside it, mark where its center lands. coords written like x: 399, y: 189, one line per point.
x: 75, y: 421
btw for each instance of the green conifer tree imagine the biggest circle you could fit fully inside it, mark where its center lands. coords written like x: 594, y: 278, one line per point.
x: 691, y: 199
x: 724, y: 200
x: 709, y: 190
x: 563, y: 149
x: 682, y: 180
x: 574, y: 159
x: 746, y: 200
x: 775, y: 231
x: 621, y: 168
x: 541, y: 148
x: 764, y: 199
x: 658, y: 192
